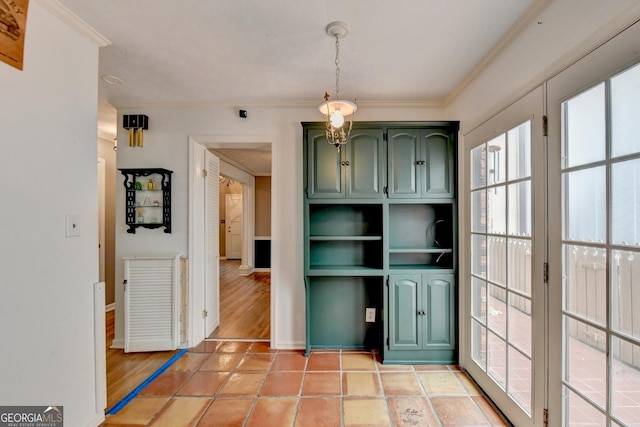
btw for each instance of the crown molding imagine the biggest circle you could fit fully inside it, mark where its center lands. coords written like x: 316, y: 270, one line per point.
x: 74, y: 21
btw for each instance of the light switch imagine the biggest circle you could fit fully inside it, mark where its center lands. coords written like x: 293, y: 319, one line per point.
x: 370, y: 314
x: 73, y: 225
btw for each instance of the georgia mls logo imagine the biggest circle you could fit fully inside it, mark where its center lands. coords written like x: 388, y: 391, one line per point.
x: 31, y: 416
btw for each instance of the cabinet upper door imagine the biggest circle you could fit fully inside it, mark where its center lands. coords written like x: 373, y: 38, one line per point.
x: 404, y: 148
x: 364, y: 164
x: 325, y: 177
x: 356, y: 171
x: 405, y: 325
x: 436, y: 152
x: 420, y: 163
x: 438, y: 305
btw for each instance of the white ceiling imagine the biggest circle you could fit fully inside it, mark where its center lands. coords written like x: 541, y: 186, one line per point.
x: 276, y: 52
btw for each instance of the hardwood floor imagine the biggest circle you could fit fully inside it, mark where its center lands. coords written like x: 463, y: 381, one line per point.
x: 245, y: 307
x: 125, y: 371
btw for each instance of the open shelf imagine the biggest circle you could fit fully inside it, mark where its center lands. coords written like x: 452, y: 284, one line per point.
x: 421, y: 236
x: 343, y: 220
x: 337, y: 312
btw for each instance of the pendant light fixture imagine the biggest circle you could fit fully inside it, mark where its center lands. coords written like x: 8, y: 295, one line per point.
x: 336, y: 111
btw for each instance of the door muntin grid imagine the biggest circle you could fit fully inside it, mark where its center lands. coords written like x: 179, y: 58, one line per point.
x: 601, y: 253
x: 501, y: 251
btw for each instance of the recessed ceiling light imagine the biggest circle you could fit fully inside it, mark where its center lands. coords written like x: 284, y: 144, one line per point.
x: 112, y: 80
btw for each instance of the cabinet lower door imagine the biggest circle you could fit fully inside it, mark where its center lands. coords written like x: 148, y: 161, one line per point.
x: 438, y: 306
x: 405, y: 327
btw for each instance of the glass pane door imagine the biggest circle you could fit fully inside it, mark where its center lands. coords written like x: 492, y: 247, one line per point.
x: 506, y: 237
x: 600, y: 174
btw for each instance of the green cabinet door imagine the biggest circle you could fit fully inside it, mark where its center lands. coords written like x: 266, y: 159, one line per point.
x: 356, y: 171
x: 364, y: 157
x: 437, y: 170
x: 405, y: 328
x: 325, y: 177
x: 420, y: 163
x: 403, y: 152
x: 438, y: 305
x: 421, y: 312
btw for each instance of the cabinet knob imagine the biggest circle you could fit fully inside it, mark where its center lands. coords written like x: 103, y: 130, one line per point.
x: 420, y: 162
x: 345, y: 163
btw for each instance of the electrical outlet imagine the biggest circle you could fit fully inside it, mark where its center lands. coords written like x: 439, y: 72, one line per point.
x: 370, y: 314
x: 73, y: 225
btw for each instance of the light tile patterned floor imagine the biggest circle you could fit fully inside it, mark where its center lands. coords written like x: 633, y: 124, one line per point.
x: 247, y: 384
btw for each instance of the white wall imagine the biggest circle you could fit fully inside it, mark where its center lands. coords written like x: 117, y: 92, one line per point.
x: 48, y: 169
x: 166, y: 145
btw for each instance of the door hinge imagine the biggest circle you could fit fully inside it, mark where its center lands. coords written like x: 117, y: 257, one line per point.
x: 546, y: 272
x: 387, y: 342
x: 545, y: 417
x: 387, y: 282
x: 204, y: 173
x: 124, y: 283
x: 205, y: 313
x: 385, y: 137
x: 545, y: 126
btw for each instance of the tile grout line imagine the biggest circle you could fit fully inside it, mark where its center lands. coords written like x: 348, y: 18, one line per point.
x: 427, y: 396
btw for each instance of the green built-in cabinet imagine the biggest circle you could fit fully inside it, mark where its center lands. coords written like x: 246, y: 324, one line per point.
x: 380, y: 233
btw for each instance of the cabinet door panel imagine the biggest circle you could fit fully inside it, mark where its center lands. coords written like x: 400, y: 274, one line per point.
x: 365, y: 172
x: 324, y: 172
x: 438, y: 302
x: 403, y: 151
x: 404, y: 327
x: 438, y: 163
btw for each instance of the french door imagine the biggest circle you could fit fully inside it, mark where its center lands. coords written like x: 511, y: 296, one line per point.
x: 594, y: 134
x: 504, y: 274
x: 550, y: 284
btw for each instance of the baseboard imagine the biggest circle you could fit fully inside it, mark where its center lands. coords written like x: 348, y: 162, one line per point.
x: 262, y: 270
x: 110, y: 307
x: 245, y: 270
x: 119, y: 343
x: 97, y: 420
x: 289, y: 345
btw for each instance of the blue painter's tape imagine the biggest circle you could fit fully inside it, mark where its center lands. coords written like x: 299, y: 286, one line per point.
x: 115, y: 408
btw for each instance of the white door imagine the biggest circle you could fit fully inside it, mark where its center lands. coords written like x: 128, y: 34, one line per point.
x: 596, y: 241
x: 233, y: 222
x: 502, y: 278
x: 212, y: 256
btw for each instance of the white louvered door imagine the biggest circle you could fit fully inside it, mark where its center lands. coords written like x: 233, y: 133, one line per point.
x: 151, y: 307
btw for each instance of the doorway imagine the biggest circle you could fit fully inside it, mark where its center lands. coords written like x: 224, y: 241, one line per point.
x: 237, y: 160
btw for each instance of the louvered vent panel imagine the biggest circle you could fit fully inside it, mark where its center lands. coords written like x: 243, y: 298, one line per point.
x: 151, y: 321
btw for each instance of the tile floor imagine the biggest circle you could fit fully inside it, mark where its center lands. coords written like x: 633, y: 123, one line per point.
x: 231, y: 383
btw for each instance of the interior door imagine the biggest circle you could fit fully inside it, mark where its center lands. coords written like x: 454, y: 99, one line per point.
x: 502, y: 279
x: 212, y: 219
x: 233, y: 219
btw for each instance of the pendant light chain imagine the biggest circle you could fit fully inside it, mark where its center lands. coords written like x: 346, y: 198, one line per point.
x: 337, y: 67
